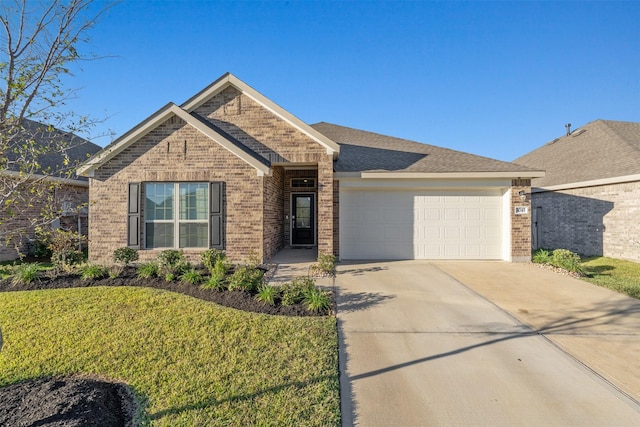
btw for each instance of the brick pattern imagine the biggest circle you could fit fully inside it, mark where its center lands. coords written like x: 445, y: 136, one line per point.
x: 520, y: 224
x: 77, y: 195
x: 336, y: 218
x: 600, y: 220
x: 273, y: 213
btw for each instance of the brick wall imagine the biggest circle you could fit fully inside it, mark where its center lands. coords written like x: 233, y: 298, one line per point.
x: 27, y: 217
x: 521, y: 223
x: 336, y: 218
x: 273, y: 213
x: 172, y: 152
x: 600, y: 220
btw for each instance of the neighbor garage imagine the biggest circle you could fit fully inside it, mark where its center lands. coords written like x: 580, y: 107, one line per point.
x: 383, y: 223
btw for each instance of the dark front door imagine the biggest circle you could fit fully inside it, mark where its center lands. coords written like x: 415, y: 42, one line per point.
x: 302, y: 219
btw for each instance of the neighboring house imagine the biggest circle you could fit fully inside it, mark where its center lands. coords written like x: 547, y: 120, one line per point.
x: 589, y: 199
x: 230, y: 169
x: 68, y: 196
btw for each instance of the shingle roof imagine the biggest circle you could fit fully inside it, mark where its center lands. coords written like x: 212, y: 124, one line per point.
x: 362, y: 151
x: 598, y: 150
x: 78, y: 149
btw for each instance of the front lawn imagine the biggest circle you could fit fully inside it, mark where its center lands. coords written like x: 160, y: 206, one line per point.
x: 621, y: 276
x: 190, y: 362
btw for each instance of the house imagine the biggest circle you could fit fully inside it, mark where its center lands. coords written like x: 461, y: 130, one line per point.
x: 230, y: 169
x: 57, y: 188
x: 589, y: 199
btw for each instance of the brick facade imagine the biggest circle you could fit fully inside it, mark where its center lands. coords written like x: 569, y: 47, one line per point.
x: 76, y: 195
x: 596, y: 221
x: 520, y: 223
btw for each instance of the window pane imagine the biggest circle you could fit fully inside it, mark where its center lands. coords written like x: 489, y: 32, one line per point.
x: 194, y: 235
x: 159, y: 235
x: 194, y: 201
x: 158, y: 201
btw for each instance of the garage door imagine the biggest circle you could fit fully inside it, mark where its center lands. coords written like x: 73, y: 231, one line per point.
x: 376, y: 224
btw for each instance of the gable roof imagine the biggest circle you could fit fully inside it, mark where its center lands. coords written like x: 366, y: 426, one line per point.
x: 371, y: 154
x: 233, y: 145
x: 229, y: 79
x: 50, y: 163
x: 601, y: 149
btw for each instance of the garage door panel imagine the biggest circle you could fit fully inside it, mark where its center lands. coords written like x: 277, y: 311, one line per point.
x: 379, y: 224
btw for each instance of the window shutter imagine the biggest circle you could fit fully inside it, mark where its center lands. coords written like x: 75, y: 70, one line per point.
x: 133, y: 219
x: 216, y: 215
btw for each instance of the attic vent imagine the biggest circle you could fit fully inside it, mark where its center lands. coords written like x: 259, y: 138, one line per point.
x: 578, y: 132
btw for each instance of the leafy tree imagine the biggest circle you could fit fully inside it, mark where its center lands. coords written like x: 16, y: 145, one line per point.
x: 39, y: 43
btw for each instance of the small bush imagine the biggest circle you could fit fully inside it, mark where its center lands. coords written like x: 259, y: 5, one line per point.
x: 317, y: 301
x: 211, y: 256
x: 246, y: 278
x: 326, y: 262
x: 173, y: 262
x: 169, y: 277
x: 568, y: 260
x: 267, y: 294
x: 115, y: 271
x: 66, y: 260
x: 25, y: 274
x: 148, y: 270
x: 541, y: 256
x: 218, y: 275
x: 40, y: 246
x: 125, y: 255
x: 295, y: 291
x: 191, y: 277
x: 64, y: 248
x: 93, y: 272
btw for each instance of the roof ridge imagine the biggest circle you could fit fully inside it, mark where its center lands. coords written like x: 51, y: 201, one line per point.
x: 613, y: 132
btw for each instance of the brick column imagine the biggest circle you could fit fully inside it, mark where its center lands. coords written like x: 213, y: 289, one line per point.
x: 325, y: 204
x: 521, y: 223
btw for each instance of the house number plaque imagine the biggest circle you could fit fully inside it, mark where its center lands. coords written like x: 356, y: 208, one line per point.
x: 522, y: 210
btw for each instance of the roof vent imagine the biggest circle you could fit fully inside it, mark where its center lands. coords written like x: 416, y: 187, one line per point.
x: 568, y: 126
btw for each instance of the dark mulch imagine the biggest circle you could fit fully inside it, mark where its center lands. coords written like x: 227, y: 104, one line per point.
x: 68, y: 402
x: 234, y: 299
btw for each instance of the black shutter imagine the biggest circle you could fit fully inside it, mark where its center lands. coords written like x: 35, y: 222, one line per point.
x: 133, y: 219
x: 216, y: 215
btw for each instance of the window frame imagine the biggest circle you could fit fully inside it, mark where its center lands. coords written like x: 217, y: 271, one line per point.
x: 176, y: 213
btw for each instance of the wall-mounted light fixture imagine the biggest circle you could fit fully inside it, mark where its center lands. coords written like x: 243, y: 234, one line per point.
x: 523, y: 195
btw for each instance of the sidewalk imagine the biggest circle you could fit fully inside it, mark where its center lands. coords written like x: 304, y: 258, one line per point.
x: 597, y: 326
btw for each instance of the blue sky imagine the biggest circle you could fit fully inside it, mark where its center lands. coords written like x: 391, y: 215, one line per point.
x: 496, y: 79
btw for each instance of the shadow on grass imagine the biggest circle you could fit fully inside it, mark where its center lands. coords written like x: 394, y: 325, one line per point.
x: 249, y: 396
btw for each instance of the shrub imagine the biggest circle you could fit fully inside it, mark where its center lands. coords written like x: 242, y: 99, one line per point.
x: 40, y: 246
x: 93, y: 271
x: 125, y: 255
x: 267, y: 294
x: 541, y: 256
x: 115, y: 271
x: 148, y: 270
x: 317, y: 300
x: 169, y: 277
x: 67, y: 259
x: 64, y: 248
x: 568, y: 260
x: 26, y: 273
x: 326, y: 262
x: 295, y: 291
x: 252, y: 260
x: 246, y: 278
x: 172, y: 261
x: 191, y: 277
x: 211, y: 256
x: 218, y: 275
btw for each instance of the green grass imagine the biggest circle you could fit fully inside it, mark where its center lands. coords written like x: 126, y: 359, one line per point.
x: 190, y: 362
x: 619, y: 275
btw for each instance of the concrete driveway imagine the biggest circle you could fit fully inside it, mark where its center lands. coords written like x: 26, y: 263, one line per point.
x: 420, y: 348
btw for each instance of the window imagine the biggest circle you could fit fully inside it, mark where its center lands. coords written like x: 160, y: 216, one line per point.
x: 176, y: 215
x: 303, y: 183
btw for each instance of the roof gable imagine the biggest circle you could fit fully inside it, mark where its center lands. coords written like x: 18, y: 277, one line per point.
x: 601, y: 149
x: 261, y: 165
x: 367, y: 152
x: 229, y: 79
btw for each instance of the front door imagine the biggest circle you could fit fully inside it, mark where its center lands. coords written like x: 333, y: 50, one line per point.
x: 303, y: 219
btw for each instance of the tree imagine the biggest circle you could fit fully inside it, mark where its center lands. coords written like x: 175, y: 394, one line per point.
x: 39, y: 42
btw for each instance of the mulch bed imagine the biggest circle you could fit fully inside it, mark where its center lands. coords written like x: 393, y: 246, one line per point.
x: 81, y: 401
x: 234, y: 299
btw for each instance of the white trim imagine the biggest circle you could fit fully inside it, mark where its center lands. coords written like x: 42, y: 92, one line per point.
x: 437, y: 175
x: 315, y: 218
x: 169, y: 110
x: 431, y: 184
x: 592, y: 183
x: 229, y: 79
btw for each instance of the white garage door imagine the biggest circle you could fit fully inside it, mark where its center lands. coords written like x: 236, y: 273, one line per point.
x: 376, y: 224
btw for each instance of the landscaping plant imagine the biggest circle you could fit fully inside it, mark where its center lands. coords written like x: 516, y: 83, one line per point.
x: 125, y: 255
x: 267, y: 294
x: 93, y: 272
x: 317, y: 300
x: 568, y: 260
x: 218, y: 275
x: 172, y: 262
x: 191, y: 277
x: 327, y: 263
x: 294, y: 292
x: 26, y: 273
x: 246, y: 278
x: 148, y: 270
x: 541, y: 256
x: 211, y: 257
x: 64, y: 249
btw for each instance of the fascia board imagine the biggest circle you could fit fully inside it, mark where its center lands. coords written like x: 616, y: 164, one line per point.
x: 35, y: 176
x: 592, y: 183
x: 231, y: 80
x: 437, y: 175
x: 88, y: 167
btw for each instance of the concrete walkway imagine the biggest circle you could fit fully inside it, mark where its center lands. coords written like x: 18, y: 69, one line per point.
x: 419, y: 348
